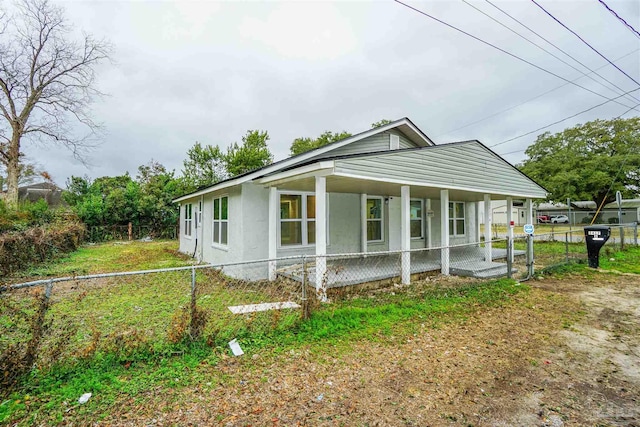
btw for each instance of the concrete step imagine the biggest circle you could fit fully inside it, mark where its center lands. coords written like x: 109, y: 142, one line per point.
x: 481, y: 270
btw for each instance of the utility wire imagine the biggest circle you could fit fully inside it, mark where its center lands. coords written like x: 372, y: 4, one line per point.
x: 540, y: 47
x: 523, y: 149
x: 562, y: 120
x: 620, y: 18
x: 528, y: 100
x: 584, y: 41
x: 558, y: 48
x: 507, y: 52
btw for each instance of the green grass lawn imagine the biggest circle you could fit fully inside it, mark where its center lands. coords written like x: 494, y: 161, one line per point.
x: 111, y: 257
x: 119, y: 331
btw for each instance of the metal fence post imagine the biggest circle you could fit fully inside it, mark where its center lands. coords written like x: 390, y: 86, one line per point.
x: 566, y: 246
x: 509, y: 258
x: 194, y: 314
x: 305, y: 300
x: 621, y: 237
x: 530, y: 255
x: 47, y: 290
x: 635, y: 233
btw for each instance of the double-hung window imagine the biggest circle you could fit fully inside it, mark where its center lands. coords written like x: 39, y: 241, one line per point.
x: 188, y: 219
x: 374, y: 220
x: 221, y: 220
x: 456, y: 219
x: 297, y: 219
x: 416, y: 219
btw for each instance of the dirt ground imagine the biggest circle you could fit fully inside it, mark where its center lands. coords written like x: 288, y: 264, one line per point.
x: 567, y: 353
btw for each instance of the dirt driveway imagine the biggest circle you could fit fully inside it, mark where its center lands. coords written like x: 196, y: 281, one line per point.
x: 564, y: 353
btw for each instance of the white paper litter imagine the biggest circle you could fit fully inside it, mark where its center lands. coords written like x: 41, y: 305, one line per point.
x: 235, y: 348
x: 265, y: 306
x: 84, y: 398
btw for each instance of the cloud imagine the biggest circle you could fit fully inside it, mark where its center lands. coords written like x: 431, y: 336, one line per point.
x: 209, y: 71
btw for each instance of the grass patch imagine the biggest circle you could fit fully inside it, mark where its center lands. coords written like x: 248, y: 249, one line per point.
x: 47, y: 395
x: 136, y: 314
x: 627, y: 261
x: 112, y: 257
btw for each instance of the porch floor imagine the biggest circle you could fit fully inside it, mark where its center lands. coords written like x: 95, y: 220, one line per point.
x: 464, y: 261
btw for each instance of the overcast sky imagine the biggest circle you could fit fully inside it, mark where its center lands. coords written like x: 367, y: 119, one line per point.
x: 209, y: 71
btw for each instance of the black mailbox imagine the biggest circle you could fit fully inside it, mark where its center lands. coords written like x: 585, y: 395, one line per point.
x: 596, y: 237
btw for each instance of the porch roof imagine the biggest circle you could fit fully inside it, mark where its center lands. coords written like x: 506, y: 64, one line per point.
x: 468, y: 169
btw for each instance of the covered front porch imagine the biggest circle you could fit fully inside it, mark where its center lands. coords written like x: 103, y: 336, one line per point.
x: 447, y: 240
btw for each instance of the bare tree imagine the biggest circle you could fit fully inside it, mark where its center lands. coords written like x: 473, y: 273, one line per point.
x: 46, y: 83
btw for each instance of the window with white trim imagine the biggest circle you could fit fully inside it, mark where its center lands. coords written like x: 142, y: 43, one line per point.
x: 220, y: 220
x: 456, y: 219
x: 417, y: 213
x: 297, y: 219
x: 188, y: 219
x: 374, y: 219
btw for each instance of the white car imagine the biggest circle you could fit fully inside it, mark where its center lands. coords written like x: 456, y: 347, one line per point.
x: 560, y: 219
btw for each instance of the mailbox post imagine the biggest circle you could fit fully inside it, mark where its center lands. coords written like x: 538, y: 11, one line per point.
x: 596, y: 237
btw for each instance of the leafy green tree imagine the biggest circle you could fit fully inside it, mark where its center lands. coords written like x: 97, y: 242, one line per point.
x: 252, y: 154
x: 302, y: 145
x: 584, y: 161
x: 380, y: 123
x: 105, y: 201
x: 204, y: 166
x: 158, y: 187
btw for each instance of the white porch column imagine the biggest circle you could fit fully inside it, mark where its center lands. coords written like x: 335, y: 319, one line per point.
x: 444, y: 232
x: 487, y: 227
x: 405, y: 232
x: 427, y: 207
x: 477, y: 215
x: 321, y: 237
x: 363, y: 222
x: 529, y: 206
x: 509, y: 219
x: 274, y: 220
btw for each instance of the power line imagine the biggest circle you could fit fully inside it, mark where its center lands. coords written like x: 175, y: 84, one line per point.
x: 558, y: 48
x: 562, y: 120
x: 523, y: 149
x: 539, y: 47
x: 584, y: 41
x: 620, y: 18
x: 507, y: 52
x: 528, y: 100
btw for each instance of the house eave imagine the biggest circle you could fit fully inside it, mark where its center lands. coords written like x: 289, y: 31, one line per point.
x: 322, y: 168
x: 497, y: 192
x: 405, y: 125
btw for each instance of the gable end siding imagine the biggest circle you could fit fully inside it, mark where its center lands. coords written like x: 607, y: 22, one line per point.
x: 468, y: 166
x: 374, y: 143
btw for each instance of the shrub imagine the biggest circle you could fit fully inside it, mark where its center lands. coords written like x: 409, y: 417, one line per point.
x: 19, y: 249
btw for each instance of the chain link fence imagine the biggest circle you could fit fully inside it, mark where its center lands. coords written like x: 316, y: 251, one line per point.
x: 553, y: 249
x: 46, y: 322
x: 75, y: 318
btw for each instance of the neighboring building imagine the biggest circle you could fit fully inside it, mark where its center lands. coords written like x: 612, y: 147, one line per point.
x: 48, y: 191
x: 582, y: 212
x: 389, y: 188
x: 499, y: 212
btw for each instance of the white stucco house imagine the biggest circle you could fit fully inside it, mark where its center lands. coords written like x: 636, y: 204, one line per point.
x: 388, y: 188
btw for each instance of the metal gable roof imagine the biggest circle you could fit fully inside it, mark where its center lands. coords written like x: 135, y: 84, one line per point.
x: 405, y: 125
